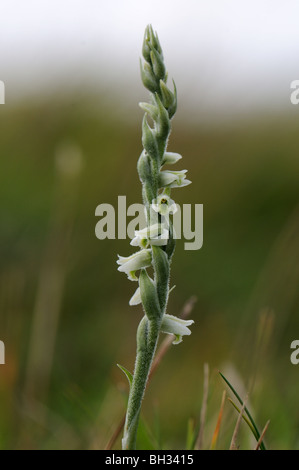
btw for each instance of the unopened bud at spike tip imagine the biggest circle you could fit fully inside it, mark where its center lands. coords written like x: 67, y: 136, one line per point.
x: 145, y: 47
x: 148, y: 78
x: 158, y: 64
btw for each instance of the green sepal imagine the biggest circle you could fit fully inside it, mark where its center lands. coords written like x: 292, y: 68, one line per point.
x: 172, y: 109
x: 162, y: 125
x: 169, y: 99
x: 150, y: 109
x: 146, y: 51
x: 149, y: 297
x: 153, y: 38
x: 170, y: 247
x: 144, y: 167
x: 148, y: 77
x: 161, y: 267
x: 157, y: 64
x: 149, y: 141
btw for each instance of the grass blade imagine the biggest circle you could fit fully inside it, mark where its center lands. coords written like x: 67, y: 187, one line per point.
x: 245, y: 419
x: 217, y: 428
x: 262, y: 435
x: 203, y: 412
x: 190, y: 434
x: 233, y: 445
x: 256, y: 433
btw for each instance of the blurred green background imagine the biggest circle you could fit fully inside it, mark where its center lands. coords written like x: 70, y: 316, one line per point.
x: 64, y: 313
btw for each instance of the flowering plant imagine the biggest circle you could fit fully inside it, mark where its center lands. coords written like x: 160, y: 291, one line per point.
x: 156, y: 241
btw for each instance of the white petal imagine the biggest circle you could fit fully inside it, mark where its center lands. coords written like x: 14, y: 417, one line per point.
x: 155, y: 207
x: 173, y: 208
x: 160, y: 240
x: 171, y: 178
x: 136, y: 298
x: 166, y: 178
x: 181, y: 184
x: 176, y: 326
x: 170, y: 158
x: 141, y: 259
x: 135, y: 241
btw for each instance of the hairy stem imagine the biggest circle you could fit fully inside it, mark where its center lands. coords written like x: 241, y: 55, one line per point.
x: 147, y: 338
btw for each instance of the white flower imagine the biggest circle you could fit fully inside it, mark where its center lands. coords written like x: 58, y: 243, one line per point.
x: 136, y: 298
x: 173, y: 179
x: 169, y: 158
x: 130, y: 264
x: 176, y: 326
x: 155, y: 234
x: 164, y: 205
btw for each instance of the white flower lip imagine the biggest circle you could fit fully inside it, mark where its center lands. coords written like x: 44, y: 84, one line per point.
x: 154, y: 235
x: 164, y: 205
x: 136, y: 298
x: 130, y: 264
x: 176, y: 326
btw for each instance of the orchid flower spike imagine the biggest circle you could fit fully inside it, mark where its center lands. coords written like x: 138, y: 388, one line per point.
x: 150, y: 265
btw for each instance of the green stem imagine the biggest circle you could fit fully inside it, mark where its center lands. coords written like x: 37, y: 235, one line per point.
x: 147, y: 338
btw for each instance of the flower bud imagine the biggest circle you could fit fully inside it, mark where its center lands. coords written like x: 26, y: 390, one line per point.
x: 157, y: 64
x: 162, y: 123
x: 149, y: 141
x: 148, y: 77
x: 170, y: 158
x: 144, y: 167
x: 146, y: 51
x: 151, y: 109
x: 169, y: 99
x: 153, y: 39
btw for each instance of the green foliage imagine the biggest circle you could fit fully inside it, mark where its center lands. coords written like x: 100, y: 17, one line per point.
x: 248, y: 175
